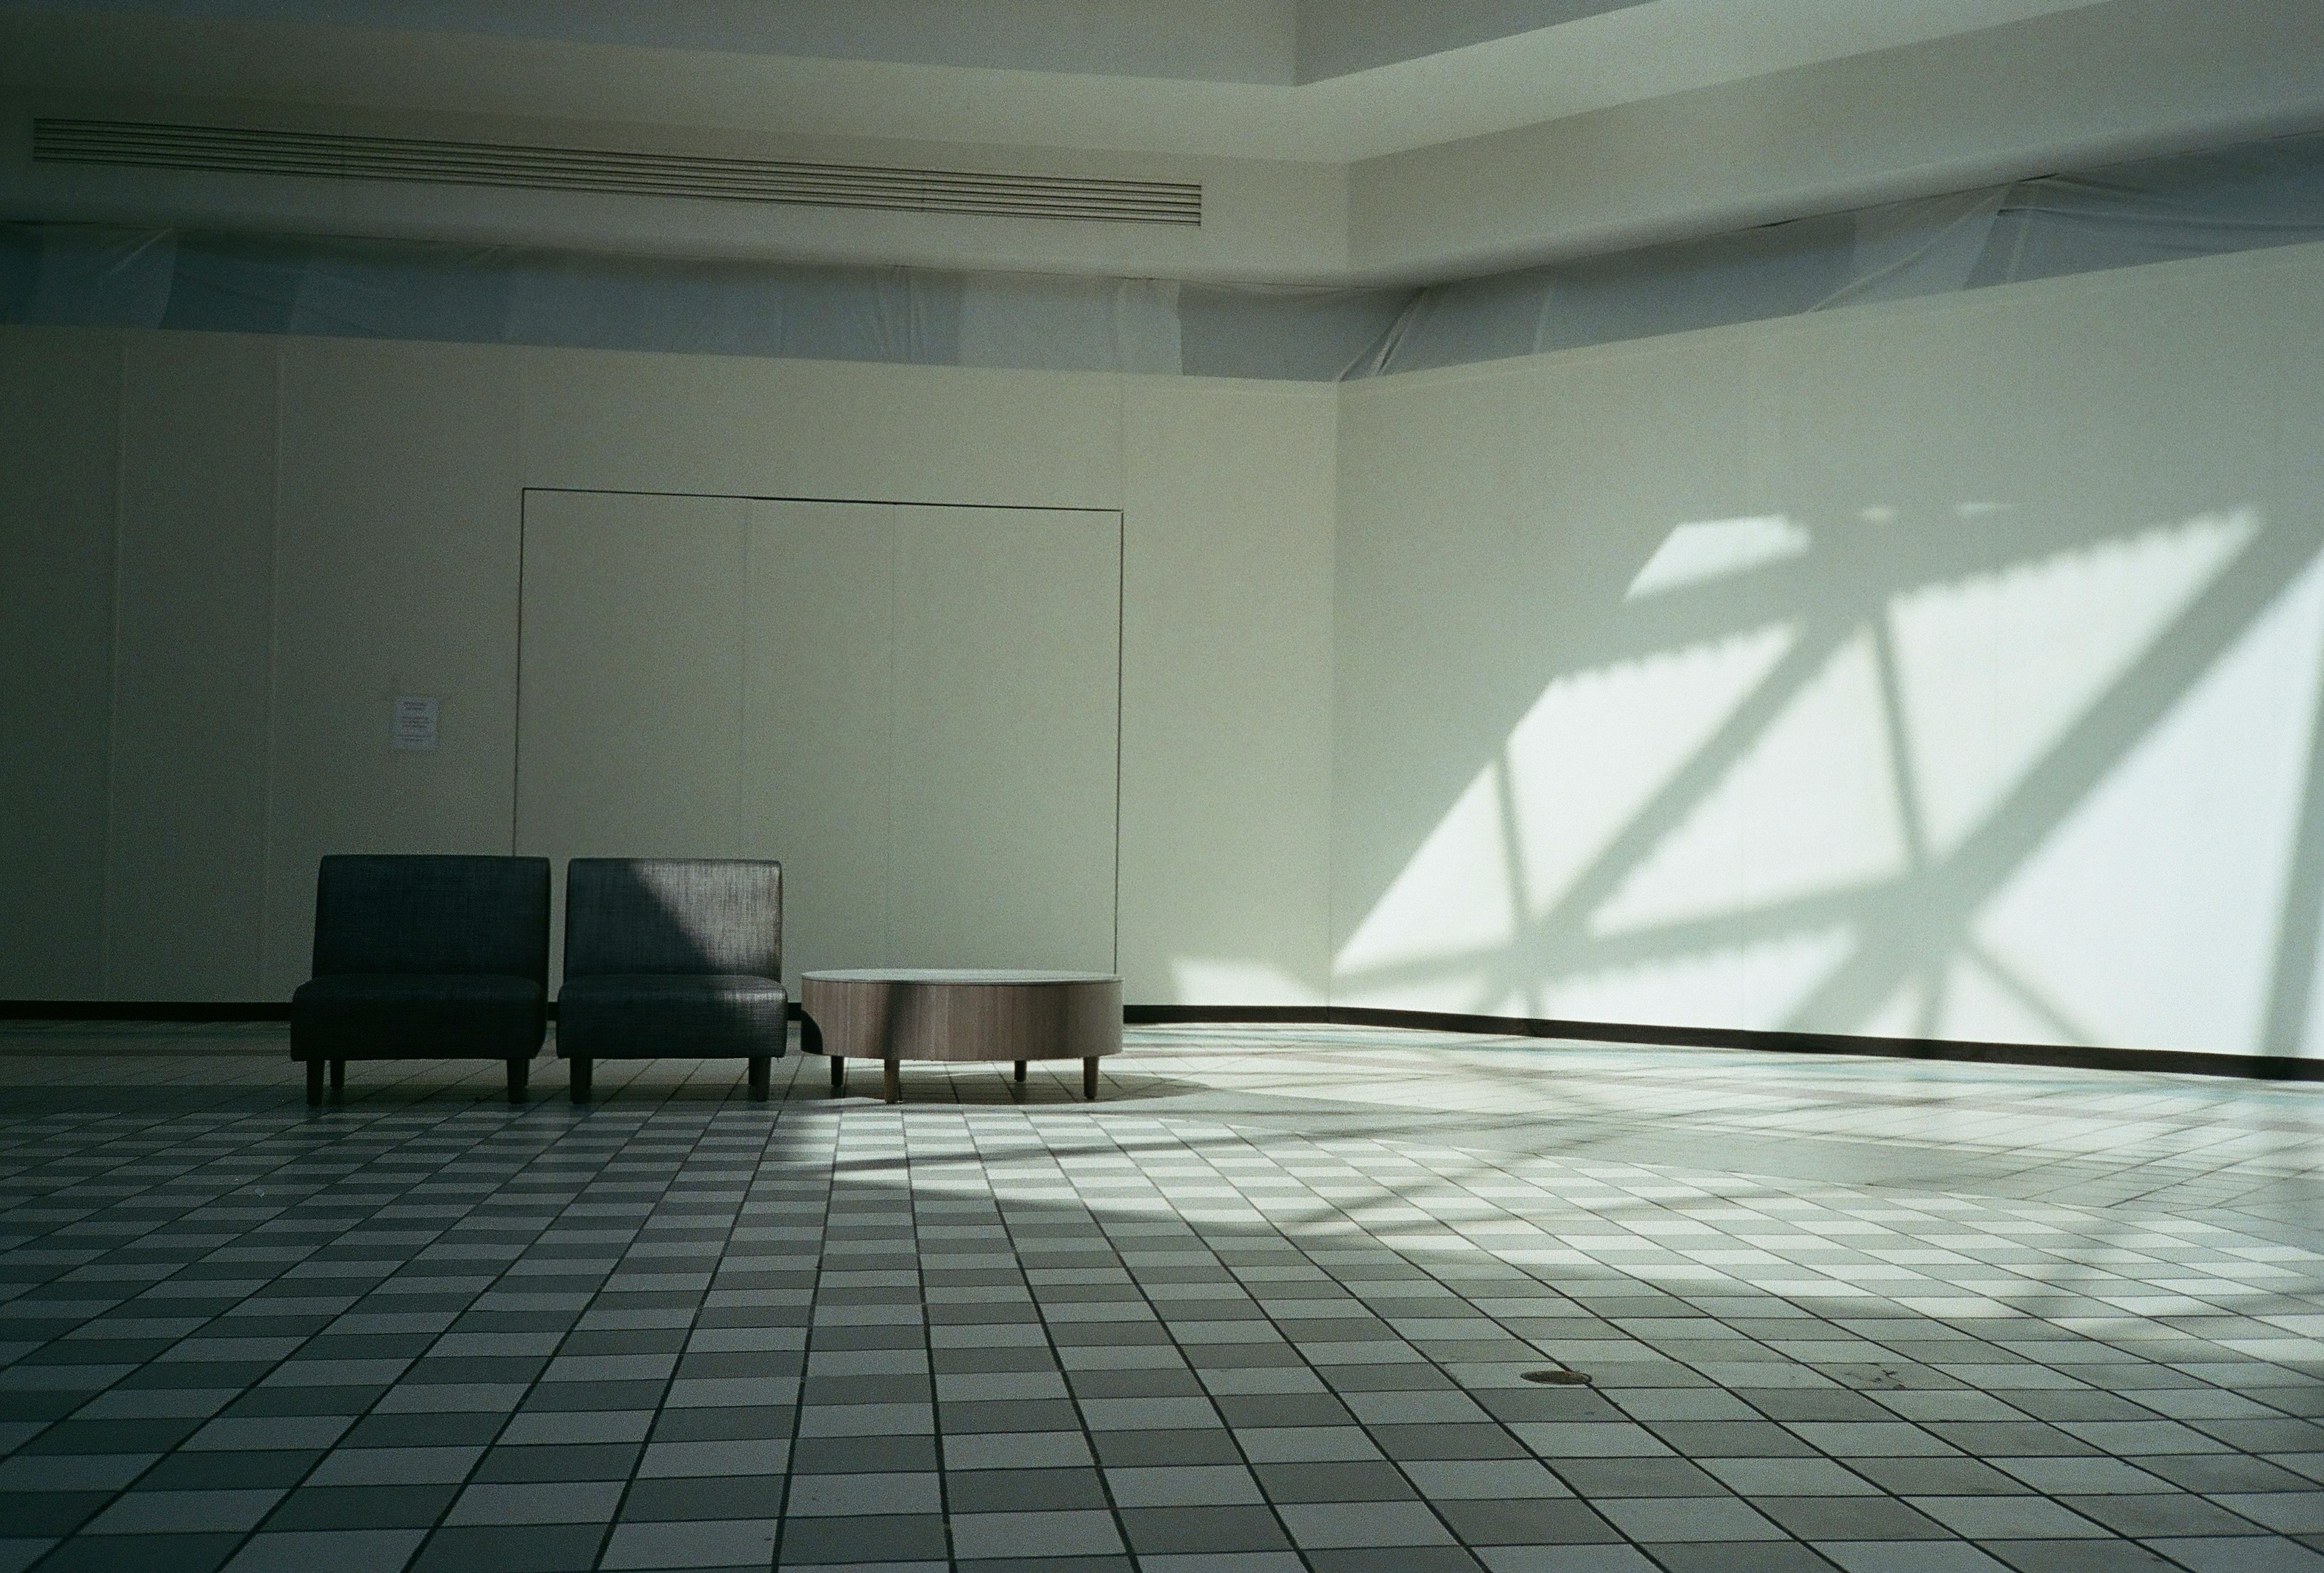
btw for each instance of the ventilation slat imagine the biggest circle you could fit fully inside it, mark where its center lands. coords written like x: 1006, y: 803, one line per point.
x: 244, y: 150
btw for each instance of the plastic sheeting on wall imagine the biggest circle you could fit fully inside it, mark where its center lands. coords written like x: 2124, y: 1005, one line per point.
x: 2269, y: 193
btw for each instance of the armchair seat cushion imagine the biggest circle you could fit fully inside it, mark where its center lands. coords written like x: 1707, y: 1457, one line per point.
x: 644, y: 1015
x: 396, y: 1015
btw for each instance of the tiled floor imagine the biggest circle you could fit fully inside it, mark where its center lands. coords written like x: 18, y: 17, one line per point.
x: 1270, y: 1304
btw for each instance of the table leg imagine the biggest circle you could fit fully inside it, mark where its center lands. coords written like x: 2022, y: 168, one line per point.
x: 838, y: 1074
x: 1021, y: 1071
x: 339, y: 1076
x: 895, y: 1082
x: 1088, y: 1079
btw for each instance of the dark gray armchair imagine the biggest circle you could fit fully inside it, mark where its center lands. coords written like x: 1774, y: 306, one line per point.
x: 425, y: 957
x: 672, y: 956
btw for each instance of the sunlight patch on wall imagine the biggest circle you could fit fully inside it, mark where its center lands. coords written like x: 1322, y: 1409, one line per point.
x: 1219, y: 980
x: 1780, y: 973
x: 1452, y: 899
x: 1901, y: 1016
x: 1709, y: 548
x: 2149, y: 918
x: 1993, y: 669
x: 1598, y: 746
x: 1981, y: 1008
x: 1756, y: 985
x: 1518, y: 1002
x: 1810, y: 808
x: 2311, y: 1045
x: 1462, y: 992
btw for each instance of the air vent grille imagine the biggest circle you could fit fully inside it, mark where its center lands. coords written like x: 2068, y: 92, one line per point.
x: 247, y: 150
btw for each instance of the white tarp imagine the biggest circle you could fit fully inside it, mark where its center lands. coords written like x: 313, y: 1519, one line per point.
x: 2268, y: 193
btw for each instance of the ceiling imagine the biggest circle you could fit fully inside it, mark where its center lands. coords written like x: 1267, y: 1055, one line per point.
x: 1309, y: 81
x: 1329, y: 135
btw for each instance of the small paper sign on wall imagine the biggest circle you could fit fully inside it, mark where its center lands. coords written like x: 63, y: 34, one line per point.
x: 415, y: 722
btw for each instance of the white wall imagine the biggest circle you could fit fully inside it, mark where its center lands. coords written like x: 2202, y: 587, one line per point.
x: 185, y: 856
x: 1945, y: 670
x: 914, y: 708
x: 59, y: 480
x: 1222, y: 842
x: 226, y: 556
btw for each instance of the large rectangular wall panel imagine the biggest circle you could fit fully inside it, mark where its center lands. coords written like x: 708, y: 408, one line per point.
x: 1226, y: 746
x: 2095, y: 609
x: 819, y: 743
x: 1948, y: 669
x: 630, y: 703
x: 1006, y: 695
x: 396, y: 576
x: 60, y: 440
x: 912, y: 709
x: 186, y: 880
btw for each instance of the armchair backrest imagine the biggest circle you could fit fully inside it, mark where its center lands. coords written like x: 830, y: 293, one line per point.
x: 432, y: 914
x: 673, y: 915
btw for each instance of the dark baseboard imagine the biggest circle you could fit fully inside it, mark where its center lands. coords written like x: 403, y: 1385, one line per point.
x: 172, y: 1011
x: 145, y: 1009
x: 2169, y: 1060
x: 1168, y: 1015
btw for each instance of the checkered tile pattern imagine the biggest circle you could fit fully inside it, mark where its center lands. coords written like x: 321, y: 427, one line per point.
x: 1270, y: 1304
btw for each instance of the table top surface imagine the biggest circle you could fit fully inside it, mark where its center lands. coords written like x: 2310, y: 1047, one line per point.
x: 952, y: 974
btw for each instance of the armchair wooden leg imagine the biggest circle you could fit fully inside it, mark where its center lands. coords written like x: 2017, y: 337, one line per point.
x: 759, y: 1075
x: 1088, y: 1080
x: 339, y: 1076
x: 580, y: 1079
x: 313, y: 1083
x: 838, y: 1074
x: 1020, y: 1072
x: 516, y: 1069
x: 895, y: 1079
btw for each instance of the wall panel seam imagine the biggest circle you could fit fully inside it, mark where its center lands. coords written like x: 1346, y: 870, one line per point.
x: 273, y: 660
x: 113, y: 668
x: 887, y: 833
x: 516, y: 680
x: 1121, y: 649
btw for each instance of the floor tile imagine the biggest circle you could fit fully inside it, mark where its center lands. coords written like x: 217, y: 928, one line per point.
x: 142, y: 1512
x: 1071, y: 1534
x: 539, y: 1502
x: 1186, y: 1485
x: 1908, y: 1316
x: 887, y: 1538
x: 342, y: 1551
x: 1370, y: 1524
x: 860, y: 1496
x: 700, y: 1543
x: 1202, y: 1531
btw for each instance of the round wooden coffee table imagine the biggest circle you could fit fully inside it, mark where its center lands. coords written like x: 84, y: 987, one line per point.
x: 896, y: 1014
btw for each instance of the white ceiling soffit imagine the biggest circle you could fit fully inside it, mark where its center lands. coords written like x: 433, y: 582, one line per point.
x: 1277, y: 41
x: 443, y: 56
x: 1651, y: 122
x: 1220, y: 40
x: 2077, y: 91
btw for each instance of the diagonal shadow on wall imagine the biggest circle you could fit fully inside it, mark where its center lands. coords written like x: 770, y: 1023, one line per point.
x: 1910, y: 923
